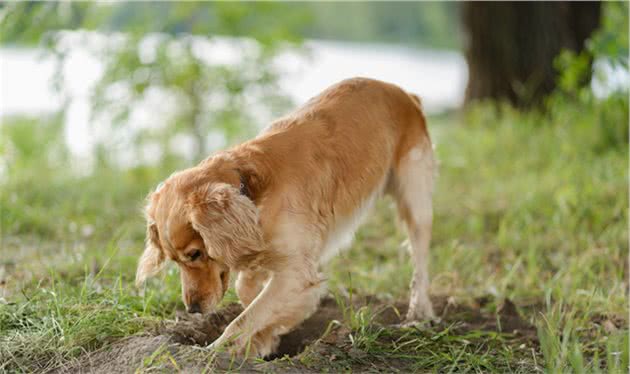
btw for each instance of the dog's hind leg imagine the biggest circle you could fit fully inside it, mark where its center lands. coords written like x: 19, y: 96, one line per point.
x: 412, y: 187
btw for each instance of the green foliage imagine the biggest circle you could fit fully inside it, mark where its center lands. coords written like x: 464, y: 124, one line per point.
x: 611, y: 40
x: 209, y: 97
x: 608, y: 48
x: 161, y: 52
x: 27, y: 22
x: 609, y: 45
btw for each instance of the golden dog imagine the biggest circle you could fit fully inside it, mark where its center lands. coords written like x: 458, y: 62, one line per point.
x: 276, y: 208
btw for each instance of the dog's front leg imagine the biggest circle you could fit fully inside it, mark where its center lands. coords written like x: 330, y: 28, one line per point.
x: 249, y: 284
x: 289, y: 298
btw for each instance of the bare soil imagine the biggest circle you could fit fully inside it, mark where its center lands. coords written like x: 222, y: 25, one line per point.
x: 312, y: 347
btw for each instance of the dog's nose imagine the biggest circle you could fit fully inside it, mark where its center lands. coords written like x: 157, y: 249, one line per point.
x: 194, y: 308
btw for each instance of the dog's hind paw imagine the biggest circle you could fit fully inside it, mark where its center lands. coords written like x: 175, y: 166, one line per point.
x: 420, y: 325
x: 422, y: 311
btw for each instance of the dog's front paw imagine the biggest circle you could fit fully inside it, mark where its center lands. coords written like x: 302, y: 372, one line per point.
x: 260, y: 344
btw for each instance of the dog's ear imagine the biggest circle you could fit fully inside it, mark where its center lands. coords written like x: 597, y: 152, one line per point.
x: 228, y: 223
x: 152, y: 259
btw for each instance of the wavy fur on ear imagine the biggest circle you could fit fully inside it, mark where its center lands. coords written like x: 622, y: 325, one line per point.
x: 228, y: 222
x: 152, y: 259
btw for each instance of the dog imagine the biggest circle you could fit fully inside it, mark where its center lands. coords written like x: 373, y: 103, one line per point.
x: 276, y: 208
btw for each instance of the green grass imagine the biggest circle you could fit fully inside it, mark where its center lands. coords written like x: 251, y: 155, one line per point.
x: 530, y: 207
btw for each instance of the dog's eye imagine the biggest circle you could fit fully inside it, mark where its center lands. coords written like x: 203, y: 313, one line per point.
x: 194, y: 255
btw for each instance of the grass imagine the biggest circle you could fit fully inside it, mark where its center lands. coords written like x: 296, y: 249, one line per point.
x: 529, y: 207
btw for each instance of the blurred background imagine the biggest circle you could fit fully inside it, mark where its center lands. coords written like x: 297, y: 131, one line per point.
x: 527, y: 103
x: 134, y: 83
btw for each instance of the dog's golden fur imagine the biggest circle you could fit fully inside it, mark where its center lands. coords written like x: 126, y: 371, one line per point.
x: 275, y: 208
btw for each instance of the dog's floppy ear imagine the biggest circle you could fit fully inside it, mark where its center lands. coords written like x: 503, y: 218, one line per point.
x: 228, y: 222
x: 152, y: 259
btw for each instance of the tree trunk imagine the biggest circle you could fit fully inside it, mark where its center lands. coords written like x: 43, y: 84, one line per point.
x: 511, y: 46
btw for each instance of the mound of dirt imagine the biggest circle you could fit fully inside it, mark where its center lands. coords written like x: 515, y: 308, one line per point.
x: 197, y: 330
x: 180, y: 344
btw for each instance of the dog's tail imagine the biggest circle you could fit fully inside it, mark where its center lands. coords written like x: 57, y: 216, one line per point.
x: 418, y: 104
x: 416, y: 99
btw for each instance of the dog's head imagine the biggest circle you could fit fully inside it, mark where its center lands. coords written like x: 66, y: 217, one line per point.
x: 206, y: 228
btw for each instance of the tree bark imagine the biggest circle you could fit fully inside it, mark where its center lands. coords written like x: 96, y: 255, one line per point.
x: 511, y: 46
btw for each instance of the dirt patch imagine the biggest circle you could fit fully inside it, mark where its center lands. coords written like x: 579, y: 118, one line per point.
x: 180, y: 345
x: 197, y: 330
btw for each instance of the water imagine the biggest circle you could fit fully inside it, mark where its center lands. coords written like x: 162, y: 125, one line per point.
x: 439, y: 77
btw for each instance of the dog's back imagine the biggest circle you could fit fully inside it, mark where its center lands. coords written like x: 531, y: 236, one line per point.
x: 332, y: 157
